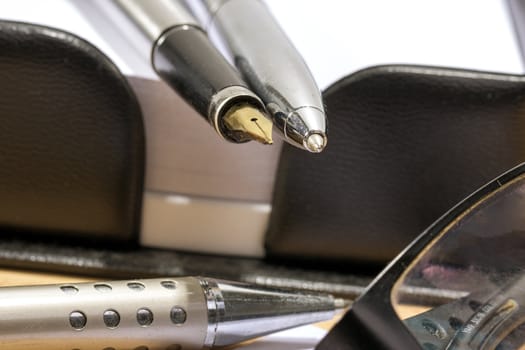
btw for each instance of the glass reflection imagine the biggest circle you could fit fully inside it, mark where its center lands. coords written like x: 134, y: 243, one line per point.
x: 467, y: 290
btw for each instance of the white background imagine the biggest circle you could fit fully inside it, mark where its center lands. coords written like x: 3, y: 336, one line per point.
x: 337, y: 37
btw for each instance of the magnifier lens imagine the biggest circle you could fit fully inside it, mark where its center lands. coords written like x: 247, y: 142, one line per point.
x: 467, y: 289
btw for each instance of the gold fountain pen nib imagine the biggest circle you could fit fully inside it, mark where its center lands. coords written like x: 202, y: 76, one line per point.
x: 248, y: 123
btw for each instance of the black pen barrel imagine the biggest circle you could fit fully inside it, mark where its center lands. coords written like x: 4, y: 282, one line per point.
x: 184, y: 58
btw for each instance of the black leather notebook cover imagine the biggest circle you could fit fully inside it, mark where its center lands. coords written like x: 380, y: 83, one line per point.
x: 71, y: 139
x: 406, y: 143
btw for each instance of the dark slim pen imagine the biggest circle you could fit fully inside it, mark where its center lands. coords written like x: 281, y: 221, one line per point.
x: 168, y: 314
x: 182, y: 55
x: 271, y: 66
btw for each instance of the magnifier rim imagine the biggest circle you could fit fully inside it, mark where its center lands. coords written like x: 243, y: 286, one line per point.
x: 452, y: 221
x: 373, y: 313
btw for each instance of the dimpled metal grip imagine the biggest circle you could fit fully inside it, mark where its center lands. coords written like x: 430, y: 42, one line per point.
x: 167, y: 314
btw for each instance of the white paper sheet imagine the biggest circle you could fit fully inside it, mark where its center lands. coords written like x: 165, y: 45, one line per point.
x: 339, y: 37
x: 336, y: 37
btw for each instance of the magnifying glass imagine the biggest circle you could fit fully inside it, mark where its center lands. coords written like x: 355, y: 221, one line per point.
x: 459, y: 285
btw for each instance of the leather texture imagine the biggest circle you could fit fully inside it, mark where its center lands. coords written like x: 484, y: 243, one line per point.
x: 405, y: 144
x: 71, y: 138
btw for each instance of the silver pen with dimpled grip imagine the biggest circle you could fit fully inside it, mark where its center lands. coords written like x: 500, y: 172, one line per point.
x: 153, y: 314
x: 271, y: 66
x: 183, y: 56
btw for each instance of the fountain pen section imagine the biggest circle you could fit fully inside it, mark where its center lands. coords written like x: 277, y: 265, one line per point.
x: 182, y: 55
x: 152, y: 314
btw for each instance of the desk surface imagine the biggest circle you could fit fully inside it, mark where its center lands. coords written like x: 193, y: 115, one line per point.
x: 11, y: 277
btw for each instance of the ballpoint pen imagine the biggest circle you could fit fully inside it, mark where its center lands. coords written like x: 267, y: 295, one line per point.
x: 271, y: 66
x: 168, y: 314
x: 182, y: 55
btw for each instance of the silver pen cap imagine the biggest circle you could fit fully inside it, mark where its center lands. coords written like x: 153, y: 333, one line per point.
x: 239, y: 311
x: 271, y: 66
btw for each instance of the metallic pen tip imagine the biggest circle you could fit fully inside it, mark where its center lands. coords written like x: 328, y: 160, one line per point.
x: 248, y: 123
x: 249, y: 311
x: 315, y: 143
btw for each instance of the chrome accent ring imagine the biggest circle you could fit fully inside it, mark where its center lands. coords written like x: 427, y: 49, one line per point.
x: 225, y: 98
x: 216, y: 309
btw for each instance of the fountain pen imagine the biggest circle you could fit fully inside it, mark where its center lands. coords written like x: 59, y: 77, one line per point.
x: 182, y: 55
x: 167, y: 313
x: 271, y: 66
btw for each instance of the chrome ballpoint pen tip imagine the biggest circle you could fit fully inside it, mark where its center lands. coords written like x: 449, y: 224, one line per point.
x: 315, y: 143
x: 248, y: 123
